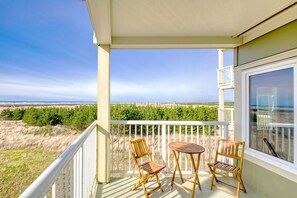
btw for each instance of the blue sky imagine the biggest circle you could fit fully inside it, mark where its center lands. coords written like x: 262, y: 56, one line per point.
x: 46, y: 53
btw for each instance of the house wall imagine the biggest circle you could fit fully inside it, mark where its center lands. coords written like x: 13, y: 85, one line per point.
x: 280, y: 40
x: 277, y: 45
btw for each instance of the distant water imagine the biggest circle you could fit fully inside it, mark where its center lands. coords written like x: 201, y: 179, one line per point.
x: 45, y: 102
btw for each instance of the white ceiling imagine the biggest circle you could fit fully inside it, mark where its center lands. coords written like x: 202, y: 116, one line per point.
x: 174, y: 23
x: 189, y: 17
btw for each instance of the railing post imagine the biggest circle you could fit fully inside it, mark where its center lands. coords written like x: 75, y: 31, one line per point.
x: 164, y: 143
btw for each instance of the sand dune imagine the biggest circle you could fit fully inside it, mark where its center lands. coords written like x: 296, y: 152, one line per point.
x: 16, y: 134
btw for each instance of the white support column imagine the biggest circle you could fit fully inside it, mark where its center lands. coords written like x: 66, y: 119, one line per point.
x: 221, y: 104
x: 103, y: 105
x: 221, y: 91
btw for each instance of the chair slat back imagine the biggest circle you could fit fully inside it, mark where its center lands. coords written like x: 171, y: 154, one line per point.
x: 230, y: 149
x: 139, y: 148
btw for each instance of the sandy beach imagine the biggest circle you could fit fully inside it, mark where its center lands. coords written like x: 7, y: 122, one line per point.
x: 16, y: 134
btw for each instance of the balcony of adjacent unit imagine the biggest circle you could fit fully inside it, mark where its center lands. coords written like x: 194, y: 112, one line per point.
x: 226, y: 77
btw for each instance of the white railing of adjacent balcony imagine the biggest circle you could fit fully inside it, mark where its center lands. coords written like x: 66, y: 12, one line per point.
x: 226, y: 76
x: 158, y: 135
x: 72, y: 174
x: 227, y: 115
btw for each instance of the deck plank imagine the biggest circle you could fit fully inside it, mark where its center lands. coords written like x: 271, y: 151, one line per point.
x: 120, y: 187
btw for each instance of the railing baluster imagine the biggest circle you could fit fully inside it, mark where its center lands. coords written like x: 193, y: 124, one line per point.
x: 66, y: 180
x: 112, y: 150
x: 186, y: 140
x: 209, y: 145
x: 61, y: 185
x: 71, y: 178
x: 153, y: 142
x: 203, y: 144
x: 159, y: 151
x: 119, y: 137
x: 164, y: 144
x: 276, y: 139
x: 283, y: 140
x: 124, y: 149
x: 54, y: 190
x: 289, y: 143
x: 168, y: 152
x: 192, y: 133
x: 192, y: 142
x: 174, y: 132
x: 180, y: 139
x: 75, y: 178
x: 129, y: 152
x: 147, y: 138
x: 263, y: 139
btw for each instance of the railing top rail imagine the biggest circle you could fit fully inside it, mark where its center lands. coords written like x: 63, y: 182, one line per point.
x: 281, y: 125
x: 226, y: 68
x: 46, y: 179
x: 157, y: 122
x: 227, y: 108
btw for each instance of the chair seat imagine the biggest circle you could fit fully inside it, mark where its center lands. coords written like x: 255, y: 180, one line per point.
x: 225, y: 167
x: 152, y: 167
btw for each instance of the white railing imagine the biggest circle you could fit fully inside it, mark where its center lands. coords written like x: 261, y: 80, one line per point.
x: 226, y: 76
x: 227, y: 115
x: 72, y: 174
x: 158, y: 135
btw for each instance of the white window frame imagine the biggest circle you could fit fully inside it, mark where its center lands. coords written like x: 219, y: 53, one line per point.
x: 284, y: 64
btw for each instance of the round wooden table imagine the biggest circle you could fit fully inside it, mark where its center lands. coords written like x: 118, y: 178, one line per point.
x: 191, y: 149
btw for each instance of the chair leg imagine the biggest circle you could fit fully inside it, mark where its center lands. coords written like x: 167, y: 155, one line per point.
x: 243, y: 187
x: 212, y: 177
x: 159, y: 183
x: 135, y: 185
x: 144, y: 189
x: 238, y: 189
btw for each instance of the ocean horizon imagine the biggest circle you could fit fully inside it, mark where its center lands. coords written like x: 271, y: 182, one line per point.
x: 45, y: 102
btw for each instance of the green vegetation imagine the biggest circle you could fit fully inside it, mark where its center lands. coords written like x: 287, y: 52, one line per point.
x: 81, y: 117
x: 20, y: 167
x: 227, y: 104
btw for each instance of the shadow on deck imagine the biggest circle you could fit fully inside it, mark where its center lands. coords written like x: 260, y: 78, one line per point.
x: 120, y: 187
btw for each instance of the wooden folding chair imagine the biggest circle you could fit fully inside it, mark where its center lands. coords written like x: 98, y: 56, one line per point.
x: 139, y: 149
x: 230, y: 150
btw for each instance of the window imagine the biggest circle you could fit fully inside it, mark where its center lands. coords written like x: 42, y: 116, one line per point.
x: 269, y: 100
x: 271, y: 110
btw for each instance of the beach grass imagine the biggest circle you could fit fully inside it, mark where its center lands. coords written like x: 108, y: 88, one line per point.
x: 20, y: 167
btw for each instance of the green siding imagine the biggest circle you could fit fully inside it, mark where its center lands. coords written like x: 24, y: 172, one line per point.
x: 268, y: 183
x: 275, y: 42
x: 260, y: 179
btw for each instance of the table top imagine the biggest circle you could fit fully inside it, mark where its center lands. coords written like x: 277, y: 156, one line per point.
x: 186, y: 147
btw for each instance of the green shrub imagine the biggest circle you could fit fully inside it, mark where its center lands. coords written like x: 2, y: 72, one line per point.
x: 6, y: 114
x: 18, y: 114
x: 82, y: 116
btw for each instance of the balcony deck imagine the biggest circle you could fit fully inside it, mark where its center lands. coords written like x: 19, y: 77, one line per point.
x: 120, y: 187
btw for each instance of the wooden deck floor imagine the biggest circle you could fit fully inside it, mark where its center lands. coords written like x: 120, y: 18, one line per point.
x: 120, y: 187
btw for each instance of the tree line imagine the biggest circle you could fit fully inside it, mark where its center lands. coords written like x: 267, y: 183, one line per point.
x: 81, y: 117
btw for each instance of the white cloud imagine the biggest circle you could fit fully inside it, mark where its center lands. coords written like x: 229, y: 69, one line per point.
x: 165, y: 90
x: 34, y: 87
